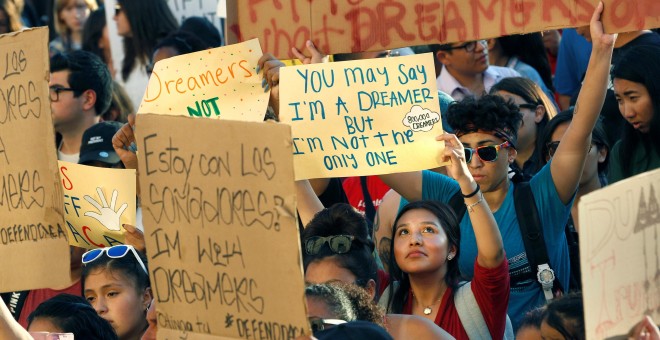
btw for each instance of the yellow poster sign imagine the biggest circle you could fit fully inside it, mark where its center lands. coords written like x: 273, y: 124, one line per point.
x: 219, y: 83
x: 97, y: 201
x: 364, y: 117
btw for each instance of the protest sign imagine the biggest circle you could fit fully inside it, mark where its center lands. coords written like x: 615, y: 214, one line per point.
x: 340, y: 26
x: 33, y: 241
x: 219, y: 217
x: 364, y: 117
x: 620, y: 255
x: 97, y: 202
x: 217, y: 83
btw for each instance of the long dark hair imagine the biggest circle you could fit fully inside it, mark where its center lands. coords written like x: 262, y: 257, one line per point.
x: 151, y: 21
x: 529, y: 49
x: 450, y: 224
x: 640, y: 65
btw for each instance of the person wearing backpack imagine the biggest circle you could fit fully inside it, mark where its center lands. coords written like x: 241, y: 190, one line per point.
x: 424, y: 259
x: 488, y: 128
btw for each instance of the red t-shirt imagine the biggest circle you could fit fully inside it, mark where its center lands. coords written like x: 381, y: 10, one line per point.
x: 37, y: 296
x: 491, y: 290
x: 353, y: 189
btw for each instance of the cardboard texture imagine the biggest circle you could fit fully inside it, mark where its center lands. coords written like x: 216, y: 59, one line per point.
x: 32, y: 230
x: 620, y: 255
x: 364, y: 117
x: 220, y: 83
x: 219, y: 217
x: 97, y: 201
x: 341, y: 26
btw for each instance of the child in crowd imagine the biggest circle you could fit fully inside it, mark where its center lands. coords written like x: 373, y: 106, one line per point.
x: 116, y: 283
x: 70, y: 17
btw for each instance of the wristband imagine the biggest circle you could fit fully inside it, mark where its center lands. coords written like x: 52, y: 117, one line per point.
x: 473, y: 193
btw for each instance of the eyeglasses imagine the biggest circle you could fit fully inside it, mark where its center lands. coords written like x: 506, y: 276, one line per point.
x: 318, y: 324
x: 55, y: 92
x: 114, y: 252
x: 117, y: 9
x: 468, y: 46
x: 552, y: 148
x: 487, y: 153
x: 339, y: 244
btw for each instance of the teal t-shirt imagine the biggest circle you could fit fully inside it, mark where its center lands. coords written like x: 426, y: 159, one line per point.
x: 525, y: 295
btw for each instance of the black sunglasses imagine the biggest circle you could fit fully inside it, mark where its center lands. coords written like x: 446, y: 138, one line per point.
x: 552, y: 148
x: 339, y: 244
x: 487, y: 153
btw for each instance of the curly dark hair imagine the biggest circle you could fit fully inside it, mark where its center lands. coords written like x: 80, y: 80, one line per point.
x: 365, y: 307
x: 566, y: 315
x: 489, y: 113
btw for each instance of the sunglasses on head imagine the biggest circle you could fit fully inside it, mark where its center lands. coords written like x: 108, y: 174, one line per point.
x: 339, y: 244
x: 318, y: 324
x: 114, y: 252
x: 487, y: 153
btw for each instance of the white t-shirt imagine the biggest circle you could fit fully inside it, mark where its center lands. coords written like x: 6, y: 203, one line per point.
x: 71, y: 158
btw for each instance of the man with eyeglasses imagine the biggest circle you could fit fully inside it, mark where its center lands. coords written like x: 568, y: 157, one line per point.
x: 465, y: 69
x: 80, y: 91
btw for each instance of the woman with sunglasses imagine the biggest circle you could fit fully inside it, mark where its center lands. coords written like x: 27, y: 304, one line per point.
x: 116, y: 284
x: 536, y: 109
x: 142, y: 24
x: 636, y: 79
x: 488, y: 130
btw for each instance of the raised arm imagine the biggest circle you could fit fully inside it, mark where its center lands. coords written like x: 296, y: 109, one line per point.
x: 308, y: 203
x: 407, y: 184
x: 490, y: 249
x: 568, y: 161
x: 9, y: 328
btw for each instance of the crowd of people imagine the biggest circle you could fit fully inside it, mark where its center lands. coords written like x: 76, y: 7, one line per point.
x: 532, y: 122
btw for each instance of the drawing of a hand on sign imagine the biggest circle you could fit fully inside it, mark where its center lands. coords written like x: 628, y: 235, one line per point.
x: 106, y: 214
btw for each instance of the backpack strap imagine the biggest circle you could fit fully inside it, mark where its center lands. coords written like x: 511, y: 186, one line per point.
x: 532, y: 235
x: 457, y: 202
x: 471, y: 318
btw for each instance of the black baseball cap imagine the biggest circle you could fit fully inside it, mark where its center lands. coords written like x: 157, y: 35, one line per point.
x: 97, y: 144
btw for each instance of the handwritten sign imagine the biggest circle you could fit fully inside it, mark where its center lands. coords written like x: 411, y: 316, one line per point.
x: 217, y: 83
x: 363, y: 117
x: 97, y: 201
x: 620, y: 255
x: 220, y: 226
x: 33, y: 244
x: 339, y: 26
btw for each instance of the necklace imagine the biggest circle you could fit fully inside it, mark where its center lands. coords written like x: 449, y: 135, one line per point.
x: 428, y: 309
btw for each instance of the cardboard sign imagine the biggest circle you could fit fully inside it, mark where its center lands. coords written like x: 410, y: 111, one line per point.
x: 33, y: 241
x: 97, y: 201
x: 364, y: 117
x: 218, y: 83
x: 620, y: 255
x: 339, y: 26
x: 219, y: 217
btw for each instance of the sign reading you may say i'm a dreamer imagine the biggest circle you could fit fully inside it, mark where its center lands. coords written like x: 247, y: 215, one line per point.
x: 364, y: 117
